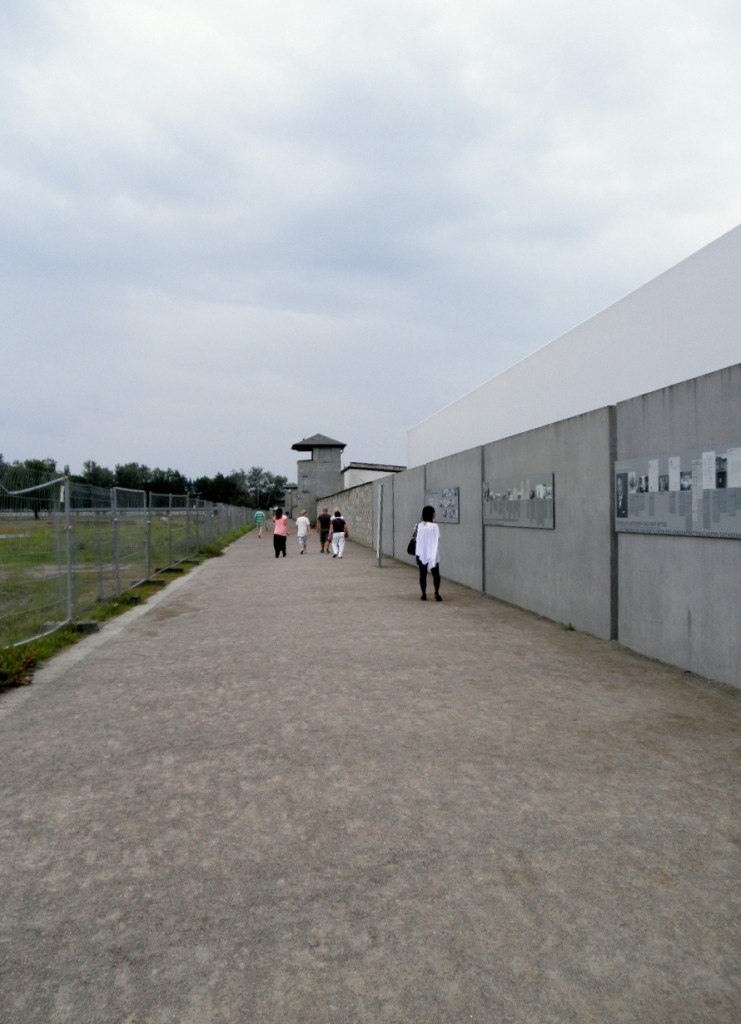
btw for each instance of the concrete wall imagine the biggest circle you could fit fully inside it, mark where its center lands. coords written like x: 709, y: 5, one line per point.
x: 679, y: 598
x: 389, y: 485
x: 461, y: 544
x: 680, y: 325
x: 565, y: 574
x: 409, y: 499
x: 676, y: 599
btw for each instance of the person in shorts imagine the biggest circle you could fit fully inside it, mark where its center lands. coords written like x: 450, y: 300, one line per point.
x: 322, y: 524
x: 259, y: 520
x: 302, y: 531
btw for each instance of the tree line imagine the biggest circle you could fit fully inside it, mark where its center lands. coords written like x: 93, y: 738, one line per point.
x: 256, y: 488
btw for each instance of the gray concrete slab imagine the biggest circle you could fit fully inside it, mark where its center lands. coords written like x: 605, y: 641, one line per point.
x: 289, y: 791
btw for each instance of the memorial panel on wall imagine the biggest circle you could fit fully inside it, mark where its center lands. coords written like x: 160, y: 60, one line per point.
x: 694, y: 493
x: 520, y: 501
x: 446, y: 504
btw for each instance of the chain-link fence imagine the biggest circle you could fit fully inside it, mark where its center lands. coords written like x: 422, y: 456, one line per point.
x: 66, y: 546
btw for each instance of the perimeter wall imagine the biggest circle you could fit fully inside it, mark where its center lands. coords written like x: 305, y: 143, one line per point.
x: 680, y: 597
x: 674, y: 598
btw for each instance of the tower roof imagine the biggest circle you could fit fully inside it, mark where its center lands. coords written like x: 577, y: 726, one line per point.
x: 316, y: 441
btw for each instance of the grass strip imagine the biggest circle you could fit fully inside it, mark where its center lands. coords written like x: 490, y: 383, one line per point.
x: 18, y: 664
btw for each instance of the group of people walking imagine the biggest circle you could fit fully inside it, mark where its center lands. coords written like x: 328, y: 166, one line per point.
x: 332, y: 530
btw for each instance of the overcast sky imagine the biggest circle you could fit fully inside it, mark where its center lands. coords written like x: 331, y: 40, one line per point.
x: 226, y: 225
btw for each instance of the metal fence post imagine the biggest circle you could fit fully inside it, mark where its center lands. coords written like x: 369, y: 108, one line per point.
x: 66, y: 496
x: 169, y: 529
x: 148, y: 550
x: 114, y: 528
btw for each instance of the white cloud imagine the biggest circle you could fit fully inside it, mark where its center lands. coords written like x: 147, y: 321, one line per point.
x: 294, y: 217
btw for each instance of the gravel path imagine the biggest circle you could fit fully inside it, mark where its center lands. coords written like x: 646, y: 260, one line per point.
x: 289, y: 791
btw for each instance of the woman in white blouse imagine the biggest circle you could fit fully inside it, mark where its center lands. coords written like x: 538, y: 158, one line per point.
x: 428, y: 551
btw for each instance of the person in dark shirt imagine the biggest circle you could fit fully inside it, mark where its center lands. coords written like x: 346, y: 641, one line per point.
x: 337, y: 534
x: 322, y: 524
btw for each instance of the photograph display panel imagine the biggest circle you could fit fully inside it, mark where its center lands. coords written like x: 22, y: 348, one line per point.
x: 446, y: 503
x: 695, y: 493
x: 520, y: 501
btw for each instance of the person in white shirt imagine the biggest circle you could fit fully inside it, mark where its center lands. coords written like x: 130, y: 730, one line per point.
x: 428, y: 551
x: 302, y: 529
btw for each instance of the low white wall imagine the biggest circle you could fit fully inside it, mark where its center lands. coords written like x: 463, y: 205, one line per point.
x: 680, y: 325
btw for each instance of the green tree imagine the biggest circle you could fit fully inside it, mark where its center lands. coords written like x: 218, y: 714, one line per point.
x: 226, y: 490
x: 47, y: 466
x: 43, y: 470
x: 133, y: 476
x: 167, y: 481
x: 220, y: 490
x: 239, y: 480
x: 258, y: 487
x: 277, y: 492
x: 97, y: 476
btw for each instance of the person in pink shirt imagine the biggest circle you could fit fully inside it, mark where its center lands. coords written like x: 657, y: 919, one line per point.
x: 280, y: 532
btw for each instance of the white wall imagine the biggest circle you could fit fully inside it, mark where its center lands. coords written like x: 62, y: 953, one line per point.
x: 683, y: 324
x: 354, y: 477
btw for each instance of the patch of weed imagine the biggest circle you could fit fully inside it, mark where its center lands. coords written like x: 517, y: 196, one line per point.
x: 210, y: 550
x: 117, y: 605
x: 17, y: 664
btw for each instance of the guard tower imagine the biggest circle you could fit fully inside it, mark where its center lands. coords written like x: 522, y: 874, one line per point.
x: 320, y: 474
